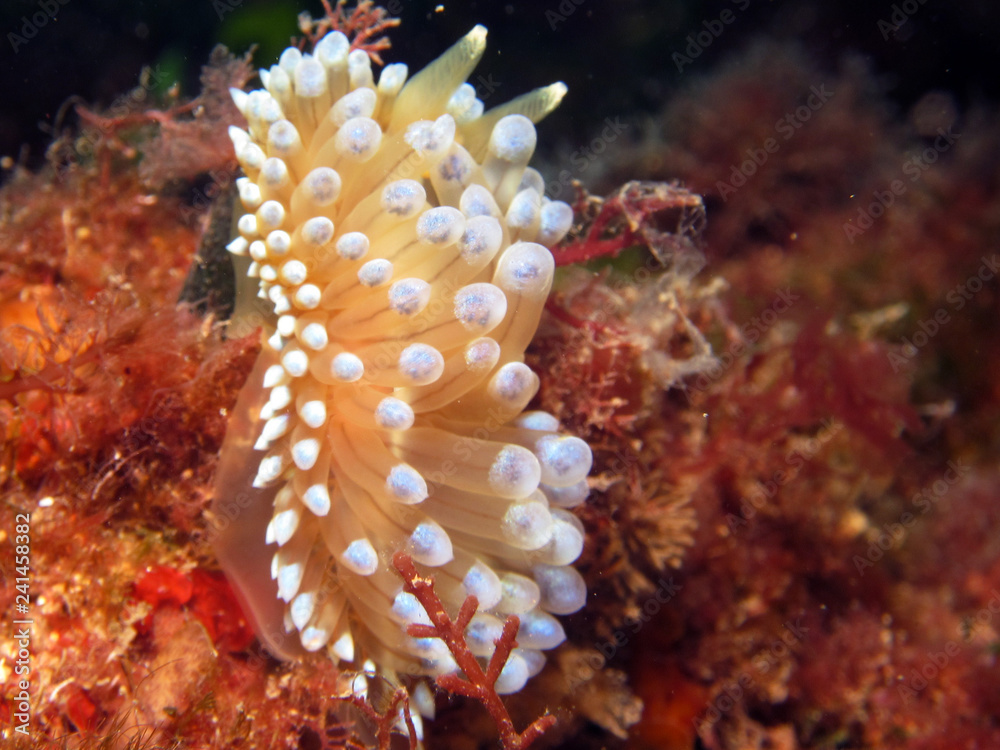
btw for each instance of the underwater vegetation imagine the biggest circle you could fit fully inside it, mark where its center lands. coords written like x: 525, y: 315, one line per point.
x: 776, y: 332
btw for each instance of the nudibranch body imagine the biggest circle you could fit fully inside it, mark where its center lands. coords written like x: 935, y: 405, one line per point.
x: 402, y: 240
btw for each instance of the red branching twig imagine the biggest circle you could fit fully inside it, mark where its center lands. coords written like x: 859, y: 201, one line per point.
x: 477, y: 684
x: 595, y: 327
x: 145, y: 117
x: 186, y: 139
x: 386, y: 722
x: 632, y: 216
x: 109, y: 128
x: 362, y: 26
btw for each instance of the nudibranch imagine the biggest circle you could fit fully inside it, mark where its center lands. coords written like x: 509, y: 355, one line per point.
x: 401, y: 237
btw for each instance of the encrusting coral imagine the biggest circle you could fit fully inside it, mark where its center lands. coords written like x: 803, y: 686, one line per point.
x: 402, y: 240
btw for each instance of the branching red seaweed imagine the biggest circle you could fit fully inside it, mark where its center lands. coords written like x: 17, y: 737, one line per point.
x: 362, y: 25
x: 662, y: 216
x: 385, y: 723
x: 190, y: 137
x: 477, y: 684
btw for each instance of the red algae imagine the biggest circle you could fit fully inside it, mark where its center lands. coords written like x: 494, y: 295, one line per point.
x: 113, y: 403
x: 844, y: 474
x: 791, y: 542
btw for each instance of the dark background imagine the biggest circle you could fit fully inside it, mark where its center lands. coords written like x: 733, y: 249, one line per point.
x: 615, y: 56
